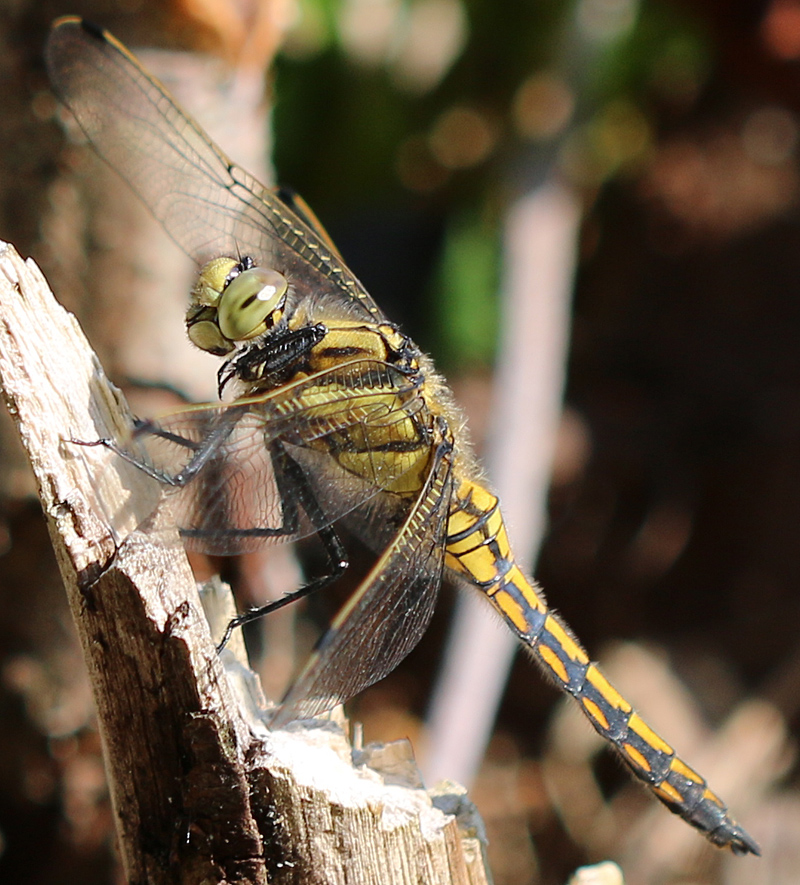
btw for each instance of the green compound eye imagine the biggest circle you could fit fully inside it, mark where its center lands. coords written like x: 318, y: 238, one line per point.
x: 251, y: 303
x: 206, y: 336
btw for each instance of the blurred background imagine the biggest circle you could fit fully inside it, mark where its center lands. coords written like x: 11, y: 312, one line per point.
x: 659, y: 139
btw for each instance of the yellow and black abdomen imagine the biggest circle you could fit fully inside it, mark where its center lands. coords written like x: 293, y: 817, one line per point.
x: 478, y: 552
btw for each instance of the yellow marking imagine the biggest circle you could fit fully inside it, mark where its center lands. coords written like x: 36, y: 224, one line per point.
x: 454, y: 562
x: 482, y: 499
x: 528, y: 590
x: 459, y: 521
x: 470, y: 542
x: 481, y: 564
x: 712, y: 797
x: 509, y: 607
x: 595, y: 712
x: 607, y: 690
x: 567, y: 643
x: 640, y: 727
x: 352, y: 333
x: 553, y: 662
x: 395, y: 338
x: 667, y: 792
x: 636, y: 757
x: 681, y: 768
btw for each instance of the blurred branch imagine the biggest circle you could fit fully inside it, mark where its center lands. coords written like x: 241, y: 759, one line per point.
x: 201, y: 790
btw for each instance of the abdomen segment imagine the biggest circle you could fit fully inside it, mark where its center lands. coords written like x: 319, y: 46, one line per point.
x: 478, y: 552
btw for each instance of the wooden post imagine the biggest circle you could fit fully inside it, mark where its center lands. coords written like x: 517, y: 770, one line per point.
x: 202, y: 791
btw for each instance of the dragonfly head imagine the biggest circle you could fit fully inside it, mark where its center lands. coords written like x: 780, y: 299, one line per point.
x: 233, y: 301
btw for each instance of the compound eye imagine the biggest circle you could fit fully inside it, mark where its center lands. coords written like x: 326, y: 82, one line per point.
x: 206, y: 336
x: 251, y: 303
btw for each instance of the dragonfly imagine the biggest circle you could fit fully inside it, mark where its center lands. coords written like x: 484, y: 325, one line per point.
x: 331, y: 416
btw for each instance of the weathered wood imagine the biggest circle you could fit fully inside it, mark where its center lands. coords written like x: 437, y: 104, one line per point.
x: 202, y: 791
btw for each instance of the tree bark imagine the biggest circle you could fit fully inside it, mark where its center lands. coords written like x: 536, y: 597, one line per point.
x: 202, y: 791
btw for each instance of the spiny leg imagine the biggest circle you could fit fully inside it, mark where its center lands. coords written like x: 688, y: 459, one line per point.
x: 202, y: 450
x: 292, y: 481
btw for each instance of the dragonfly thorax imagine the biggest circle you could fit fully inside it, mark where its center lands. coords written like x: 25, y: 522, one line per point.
x: 232, y: 301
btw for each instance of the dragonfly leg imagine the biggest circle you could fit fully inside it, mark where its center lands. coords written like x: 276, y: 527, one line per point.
x: 137, y: 383
x: 271, y: 358
x: 293, y: 483
x: 202, y: 450
x: 339, y: 565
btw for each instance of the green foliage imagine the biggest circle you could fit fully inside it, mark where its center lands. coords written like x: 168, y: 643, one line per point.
x: 467, y: 287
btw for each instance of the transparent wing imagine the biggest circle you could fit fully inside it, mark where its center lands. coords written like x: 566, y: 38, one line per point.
x: 262, y: 470
x: 387, y: 615
x: 206, y: 203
